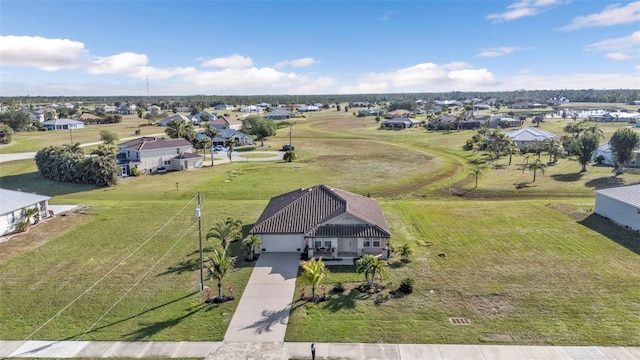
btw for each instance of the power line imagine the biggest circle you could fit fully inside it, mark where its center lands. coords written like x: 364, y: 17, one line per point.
x: 136, y: 283
x: 110, y: 271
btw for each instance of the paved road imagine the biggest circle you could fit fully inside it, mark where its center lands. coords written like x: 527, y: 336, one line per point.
x: 283, y: 351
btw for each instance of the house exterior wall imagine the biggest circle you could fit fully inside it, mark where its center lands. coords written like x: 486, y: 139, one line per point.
x: 619, y: 212
x: 185, y: 164
x: 9, y: 220
x: 150, y: 160
x: 282, y: 242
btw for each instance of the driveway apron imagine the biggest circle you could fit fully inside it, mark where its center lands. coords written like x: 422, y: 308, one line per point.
x: 263, y: 311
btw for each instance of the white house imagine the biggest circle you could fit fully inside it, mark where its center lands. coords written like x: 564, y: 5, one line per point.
x: 150, y: 154
x: 529, y: 135
x: 323, y: 222
x: 224, y: 122
x: 604, y: 150
x: 308, y: 108
x: 63, y: 124
x: 620, y: 204
x: 13, y: 202
x: 224, y: 107
x: 168, y: 120
x: 251, y: 108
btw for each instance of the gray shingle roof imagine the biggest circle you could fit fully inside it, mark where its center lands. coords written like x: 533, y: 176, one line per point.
x: 304, y: 211
x: 629, y: 194
x: 152, y: 143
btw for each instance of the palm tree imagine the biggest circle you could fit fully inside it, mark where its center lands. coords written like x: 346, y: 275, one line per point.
x: 585, y: 146
x: 74, y: 149
x: 105, y: 150
x: 476, y: 172
x: 535, y: 166
x: 554, y: 147
x: 219, y: 264
x: 314, y: 272
x: 31, y: 214
x: 235, y: 223
x: 203, y: 144
x: 371, y: 267
x: 250, y: 244
x: 230, y: 143
x: 405, y: 252
x: 180, y: 129
x: 289, y: 156
x: 226, y: 233
x: 211, y: 131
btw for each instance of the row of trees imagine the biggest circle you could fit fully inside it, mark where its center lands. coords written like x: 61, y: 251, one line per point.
x: 69, y: 164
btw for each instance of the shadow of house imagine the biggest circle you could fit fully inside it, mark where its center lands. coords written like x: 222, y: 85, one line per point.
x: 624, y: 237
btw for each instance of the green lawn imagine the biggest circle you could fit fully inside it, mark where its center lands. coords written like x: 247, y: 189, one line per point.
x: 526, y: 262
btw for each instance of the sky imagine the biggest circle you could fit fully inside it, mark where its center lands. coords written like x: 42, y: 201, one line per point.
x: 304, y: 47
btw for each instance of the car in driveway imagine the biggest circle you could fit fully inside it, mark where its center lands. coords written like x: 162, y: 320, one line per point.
x: 218, y: 148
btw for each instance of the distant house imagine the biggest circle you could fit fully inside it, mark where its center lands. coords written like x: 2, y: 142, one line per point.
x: 526, y: 105
x: 197, y: 118
x: 264, y: 105
x: 399, y: 113
x: 109, y: 109
x: 529, y: 136
x: 280, y: 114
x: 630, y: 117
x: 63, y: 124
x: 153, y: 108
x: 323, y: 222
x: 88, y: 118
x: 400, y: 123
x: 150, y: 154
x: 126, y: 109
x: 620, y: 204
x: 498, y: 121
x: 12, y: 204
x: 224, y: 122
x: 239, y: 138
x: 604, y: 150
x: 175, y: 117
x: 308, y: 108
x: 250, y: 108
x: 370, y: 112
x: 224, y: 107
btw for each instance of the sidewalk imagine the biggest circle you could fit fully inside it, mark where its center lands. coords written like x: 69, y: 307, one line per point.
x: 278, y: 350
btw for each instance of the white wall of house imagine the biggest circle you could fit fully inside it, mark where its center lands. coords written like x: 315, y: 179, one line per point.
x: 9, y: 220
x: 150, y: 160
x: 282, y: 242
x: 619, y: 212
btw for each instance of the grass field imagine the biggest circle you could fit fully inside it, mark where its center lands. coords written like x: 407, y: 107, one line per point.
x: 527, y: 263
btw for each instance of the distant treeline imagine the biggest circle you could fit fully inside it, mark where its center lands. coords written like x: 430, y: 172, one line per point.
x: 503, y: 97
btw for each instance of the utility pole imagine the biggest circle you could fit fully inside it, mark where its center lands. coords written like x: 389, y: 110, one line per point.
x: 289, y: 135
x: 198, y: 215
x: 71, y: 134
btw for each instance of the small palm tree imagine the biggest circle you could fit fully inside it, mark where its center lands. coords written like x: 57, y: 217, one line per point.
x: 535, y: 166
x: 31, y: 214
x: 405, y: 252
x: 224, y: 232
x: 371, y: 267
x: 289, y: 156
x: 314, y: 272
x: 230, y: 143
x: 220, y: 264
x: 250, y: 244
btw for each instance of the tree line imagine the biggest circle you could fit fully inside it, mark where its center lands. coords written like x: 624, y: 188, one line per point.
x: 68, y: 163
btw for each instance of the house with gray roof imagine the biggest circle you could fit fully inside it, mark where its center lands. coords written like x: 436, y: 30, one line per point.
x: 151, y: 155
x: 225, y: 122
x: 322, y: 221
x: 63, y: 124
x: 280, y: 114
x: 400, y: 123
x: 529, y: 136
x: 621, y: 205
x: 12, y: 203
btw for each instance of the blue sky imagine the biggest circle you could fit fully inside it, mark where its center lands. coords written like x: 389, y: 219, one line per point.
x: 315, y: 47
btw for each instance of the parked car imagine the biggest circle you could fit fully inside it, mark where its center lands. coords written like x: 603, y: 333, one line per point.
x: 288, y: 147
x: 218, y: 148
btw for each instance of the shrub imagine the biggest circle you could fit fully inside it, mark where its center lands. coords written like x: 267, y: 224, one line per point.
x: 338, y: 287
x: 136, y: 172
x: 22, y: 226
x: 406, y: 286
x: 137, y: 132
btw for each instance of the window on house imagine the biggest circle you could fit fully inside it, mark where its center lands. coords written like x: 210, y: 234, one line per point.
x: 178, y: 151
x: 167, y: 162
x: 318, y: 244
x: 367, y: 243
x: 376, y: 243
x: 327, y: 243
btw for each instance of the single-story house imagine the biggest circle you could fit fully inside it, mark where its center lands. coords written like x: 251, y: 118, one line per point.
x: 280, y: 114
x: 150, y: 154
x: 197, y: 118
x: 240, y: 139
x: 251, y: 108
x: 153, y: 108
x: 63, y: 124
x: 399, y: 113
x: 323, y: 222
x: 529, y: 136
x: 224, y: 122
x: 13, y: 202
x: 370, y: 112
x: 126, y: 109
x: 620, y: 204
x: 497, y: 121
x: 307, y: 108
x: 400, y: 123
x: 168, y: 120
x: 604, y: 150
x: 88, y: 117
x: 630, y: 117
x: 224, y: 107
x: 107, y: 108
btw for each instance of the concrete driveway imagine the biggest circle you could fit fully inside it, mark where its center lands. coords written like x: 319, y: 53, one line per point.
x: 263, y: 312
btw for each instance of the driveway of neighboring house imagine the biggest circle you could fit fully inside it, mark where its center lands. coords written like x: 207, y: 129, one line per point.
x: 263, y: 311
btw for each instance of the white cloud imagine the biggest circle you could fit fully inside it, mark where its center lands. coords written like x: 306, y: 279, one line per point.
x: 637, y: 67
x: 611, y: 15
x: 302, y: 62
x: 618, y: 49
x: 524, y: 8
x: 42, y: 53
x: 386, y: 15
x: 123, y: 63
x: 473, y: 76
x: 233, y: 61
x: 497, y: 52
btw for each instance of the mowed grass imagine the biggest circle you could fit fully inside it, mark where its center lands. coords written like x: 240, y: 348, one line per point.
x: 519, y: 269
x: 522, y: 272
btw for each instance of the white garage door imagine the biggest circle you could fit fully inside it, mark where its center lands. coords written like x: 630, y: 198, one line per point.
x: 282, y: 243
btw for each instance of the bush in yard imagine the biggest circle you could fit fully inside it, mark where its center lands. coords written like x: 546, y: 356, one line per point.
x: 338, y: 288
x: 22, y: 226
x: 406, y: 286
x: 136, y: 172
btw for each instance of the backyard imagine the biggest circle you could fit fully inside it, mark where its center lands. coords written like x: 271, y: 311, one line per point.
x: 525, y: 262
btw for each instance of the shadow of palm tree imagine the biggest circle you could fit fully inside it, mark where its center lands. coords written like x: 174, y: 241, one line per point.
x: 523, y: 185
x: 149, y: 329
x: 397, y: 264
x: 188, y: 265
x: 567, y: 177
x: 604, y: 182
x: 343, y: 301
x: 625, y: 237
x: 269, y: 319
